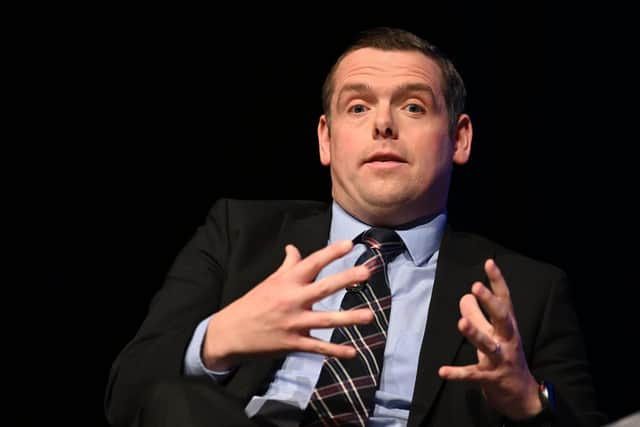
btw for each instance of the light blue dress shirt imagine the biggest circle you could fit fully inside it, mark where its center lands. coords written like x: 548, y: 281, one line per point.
x: 411, y: 277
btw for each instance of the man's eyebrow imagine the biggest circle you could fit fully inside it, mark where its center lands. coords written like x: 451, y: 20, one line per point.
x: 353, y: 87
x: 363, y: 88
x: 416, y: 87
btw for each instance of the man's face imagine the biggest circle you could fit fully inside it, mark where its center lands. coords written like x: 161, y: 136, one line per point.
x: 387, y: 141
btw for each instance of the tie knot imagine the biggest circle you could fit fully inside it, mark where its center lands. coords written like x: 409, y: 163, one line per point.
x: 384, y: 241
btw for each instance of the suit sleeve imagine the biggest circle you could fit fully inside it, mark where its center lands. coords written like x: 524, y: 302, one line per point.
x: 190, y: 293
x: 560, y: 357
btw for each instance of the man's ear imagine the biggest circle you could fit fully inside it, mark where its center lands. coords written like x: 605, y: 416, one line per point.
x: 462, y: 140
x: 324, y: 140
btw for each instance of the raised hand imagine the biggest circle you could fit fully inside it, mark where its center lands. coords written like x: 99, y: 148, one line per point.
x: 502, y: 369
x: 275, y: 316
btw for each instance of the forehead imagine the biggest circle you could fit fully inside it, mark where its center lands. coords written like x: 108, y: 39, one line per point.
x: 381, y: 67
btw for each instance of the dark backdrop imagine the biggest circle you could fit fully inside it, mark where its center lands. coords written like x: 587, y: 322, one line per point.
x: 152, y: 115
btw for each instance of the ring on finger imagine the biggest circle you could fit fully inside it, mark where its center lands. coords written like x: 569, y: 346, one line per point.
x: 498, y: 348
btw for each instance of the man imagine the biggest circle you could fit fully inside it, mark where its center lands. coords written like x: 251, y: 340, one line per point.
x: 473, y: 334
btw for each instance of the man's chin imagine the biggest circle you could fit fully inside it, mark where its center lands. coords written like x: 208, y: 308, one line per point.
x: 388, y: 199
x: 391, y: 209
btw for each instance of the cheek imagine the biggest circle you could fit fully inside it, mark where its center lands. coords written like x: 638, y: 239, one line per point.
x: 434, y: 148
x: 344, y: 148
x: 432, y: 160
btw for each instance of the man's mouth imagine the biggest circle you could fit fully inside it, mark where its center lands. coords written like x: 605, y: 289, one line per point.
x: 385, y: 159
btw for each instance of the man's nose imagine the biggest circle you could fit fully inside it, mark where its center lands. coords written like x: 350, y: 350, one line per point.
x: 384, y: 126
x: 385, y: 132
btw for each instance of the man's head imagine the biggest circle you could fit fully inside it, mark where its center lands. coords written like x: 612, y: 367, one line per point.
x: 393, y: 127
x: 385, y: 38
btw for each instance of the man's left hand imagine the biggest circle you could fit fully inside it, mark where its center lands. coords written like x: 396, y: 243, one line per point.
x: 502, y: 369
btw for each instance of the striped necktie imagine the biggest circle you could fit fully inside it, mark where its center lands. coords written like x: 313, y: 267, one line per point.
x: 344, y: 394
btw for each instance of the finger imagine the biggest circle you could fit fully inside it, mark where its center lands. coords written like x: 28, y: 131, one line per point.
x: 499, y: 310
x: 464, y: 373
x: 498, y: 284
x: 292, y: 257
x: 334, y: 319
x: 313, y: 345
x: 470, y: 309
x: 333, y: 283
x: 308, y: 268
x: 479, y: 339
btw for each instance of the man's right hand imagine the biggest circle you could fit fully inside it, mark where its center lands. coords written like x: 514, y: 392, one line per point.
x: 275, y: 316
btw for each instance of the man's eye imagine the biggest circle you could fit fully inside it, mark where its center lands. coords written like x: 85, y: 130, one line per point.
x: 415, y: 108
x: 358, y: 108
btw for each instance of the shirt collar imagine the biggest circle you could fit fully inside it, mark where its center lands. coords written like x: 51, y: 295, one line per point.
x: 421, y: 239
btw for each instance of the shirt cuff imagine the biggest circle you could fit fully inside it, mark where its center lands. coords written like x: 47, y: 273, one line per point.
x: 193, y: 365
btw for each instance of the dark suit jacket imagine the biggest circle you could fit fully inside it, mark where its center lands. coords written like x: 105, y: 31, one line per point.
x: 242, y: 242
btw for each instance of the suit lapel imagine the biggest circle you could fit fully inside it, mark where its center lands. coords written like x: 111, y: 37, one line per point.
x: 308, y: 233
x: 457, y: 269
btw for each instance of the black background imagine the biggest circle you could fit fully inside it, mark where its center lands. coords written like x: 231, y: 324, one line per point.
x: 147, y: 116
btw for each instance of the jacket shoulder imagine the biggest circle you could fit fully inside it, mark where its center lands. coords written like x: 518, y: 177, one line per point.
x: 245, y: 211
x: 505, y: 256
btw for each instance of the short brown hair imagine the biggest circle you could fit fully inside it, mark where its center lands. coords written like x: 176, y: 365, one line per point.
x: 386, y: 38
